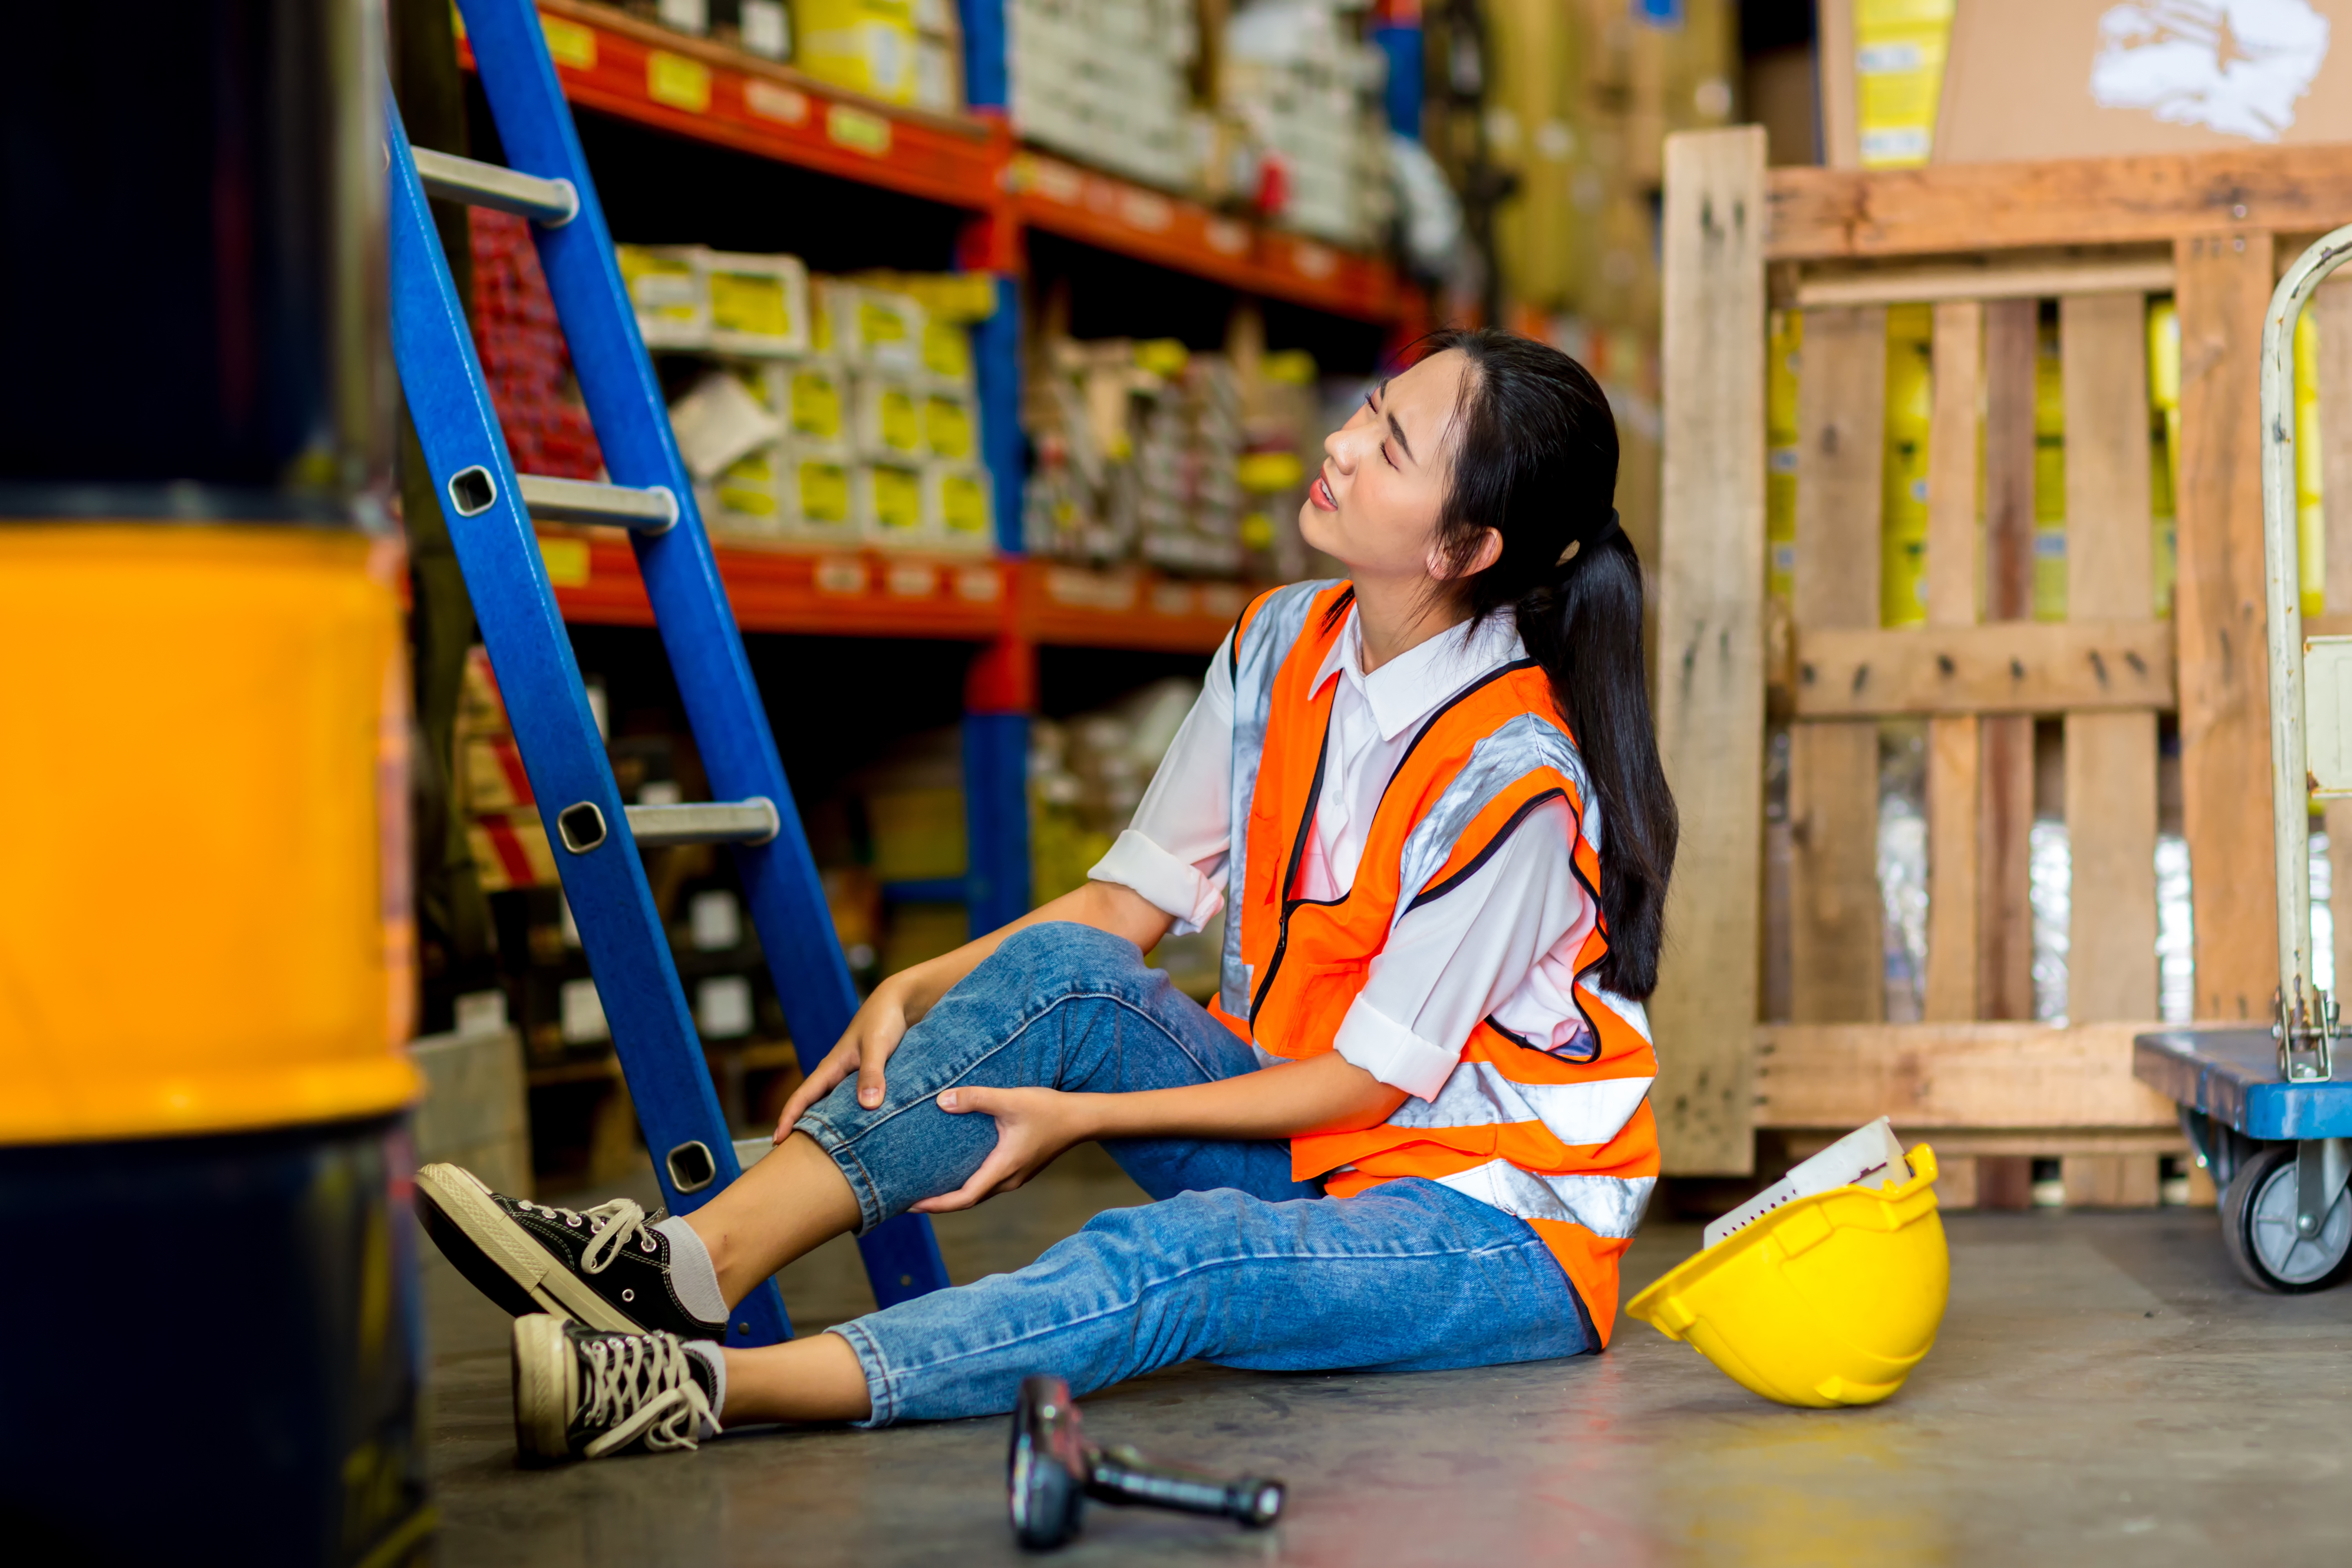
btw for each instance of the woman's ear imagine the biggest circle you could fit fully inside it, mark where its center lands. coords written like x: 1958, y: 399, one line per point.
x: 1486, y: 551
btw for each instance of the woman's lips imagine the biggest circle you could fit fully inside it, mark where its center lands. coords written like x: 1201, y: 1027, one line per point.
x: 1319, y: 492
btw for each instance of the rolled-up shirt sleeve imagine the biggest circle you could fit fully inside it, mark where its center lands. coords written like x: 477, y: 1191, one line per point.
x: 1174, y: 856
x: 1451, y: 961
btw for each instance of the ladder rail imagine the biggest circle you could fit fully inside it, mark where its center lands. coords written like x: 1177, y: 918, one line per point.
x: 562, y: 752
x: 713, y: 672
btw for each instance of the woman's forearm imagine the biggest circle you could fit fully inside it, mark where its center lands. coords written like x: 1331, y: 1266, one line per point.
x: 1326, y: 1093
x: 1106, y: 906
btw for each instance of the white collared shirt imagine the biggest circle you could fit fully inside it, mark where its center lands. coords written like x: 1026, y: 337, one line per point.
x: 1502, y: 944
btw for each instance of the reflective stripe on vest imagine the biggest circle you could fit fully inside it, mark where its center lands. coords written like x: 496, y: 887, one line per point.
x: 1560, y: 1136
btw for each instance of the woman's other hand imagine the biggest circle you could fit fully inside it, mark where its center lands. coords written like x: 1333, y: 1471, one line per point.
x: 864, y: 1048
x: 1033, y: 1126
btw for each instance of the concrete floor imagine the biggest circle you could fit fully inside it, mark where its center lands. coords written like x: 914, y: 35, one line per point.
x: 2104, y: 1391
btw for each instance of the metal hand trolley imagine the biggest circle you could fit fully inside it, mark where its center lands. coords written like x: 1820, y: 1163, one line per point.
x: 2267, y: 1112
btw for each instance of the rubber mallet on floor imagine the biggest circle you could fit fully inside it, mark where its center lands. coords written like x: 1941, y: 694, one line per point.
x: 1053, y: 1470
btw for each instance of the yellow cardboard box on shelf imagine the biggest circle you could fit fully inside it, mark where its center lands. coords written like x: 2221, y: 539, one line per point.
x: 868, y: 46
x: 758, y: 304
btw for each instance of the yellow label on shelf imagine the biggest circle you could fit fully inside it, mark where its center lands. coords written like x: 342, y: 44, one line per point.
x: 566, y: 561
x: 662, y: 288
x: 963, y: 505
x: 947, y: 426
x: 879, y: 324
x: 571, y: 44
x: 677, y: 81
x: 825, y: 492
x: 902, y: 423
x: 857, y: 130
x: 947, y: 349
x: 753, y: 302
x: 898, y: 497
x: 817, y: 404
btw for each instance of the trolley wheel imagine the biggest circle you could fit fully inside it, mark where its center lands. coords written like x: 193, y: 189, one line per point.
x: 2258, y: 1227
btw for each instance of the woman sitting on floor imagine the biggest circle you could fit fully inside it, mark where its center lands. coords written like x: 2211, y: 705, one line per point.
x: 1410, y: 1133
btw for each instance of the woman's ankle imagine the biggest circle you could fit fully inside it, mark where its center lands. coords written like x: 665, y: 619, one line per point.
x: 792, y: 1201
x: 818, y: 1378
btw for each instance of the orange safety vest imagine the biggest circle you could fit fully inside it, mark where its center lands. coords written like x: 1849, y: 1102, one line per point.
x: 1561, y: 1137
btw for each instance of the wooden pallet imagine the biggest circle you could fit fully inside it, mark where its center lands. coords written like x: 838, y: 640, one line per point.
x: 1984, y: 244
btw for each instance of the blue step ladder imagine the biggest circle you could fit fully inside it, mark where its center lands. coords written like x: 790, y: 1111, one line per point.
x: 490, y: 508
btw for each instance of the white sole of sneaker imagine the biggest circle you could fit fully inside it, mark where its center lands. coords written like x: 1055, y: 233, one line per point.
x: 546, y: 1386
x: 462, y: 1200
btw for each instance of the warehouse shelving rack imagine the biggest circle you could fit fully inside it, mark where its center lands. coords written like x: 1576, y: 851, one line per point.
x: 614, y: 64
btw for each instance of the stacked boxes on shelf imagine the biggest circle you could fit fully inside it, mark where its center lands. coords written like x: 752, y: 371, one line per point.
x: 1108, y: 81
x: 523, y: 357
x: 1298, y: 75
x: 900, y: 51
x: 1143, y: 452
x: 835, y: 411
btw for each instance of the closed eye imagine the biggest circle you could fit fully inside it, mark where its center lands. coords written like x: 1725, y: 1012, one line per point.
x: 1374, y: 409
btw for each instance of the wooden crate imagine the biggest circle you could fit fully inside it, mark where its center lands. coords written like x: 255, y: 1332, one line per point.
x: 1984, y: 245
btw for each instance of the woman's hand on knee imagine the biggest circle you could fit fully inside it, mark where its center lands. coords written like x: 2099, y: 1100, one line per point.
x: 1033, y: 1127
x: 865, y: 1046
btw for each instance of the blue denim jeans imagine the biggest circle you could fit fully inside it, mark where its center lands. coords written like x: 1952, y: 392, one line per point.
x: 1234, y: 1263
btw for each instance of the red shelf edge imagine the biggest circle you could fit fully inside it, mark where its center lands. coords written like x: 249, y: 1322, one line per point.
x: 777, y: 591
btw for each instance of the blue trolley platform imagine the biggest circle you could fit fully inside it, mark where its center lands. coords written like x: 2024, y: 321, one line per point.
x: 2278, y: 1149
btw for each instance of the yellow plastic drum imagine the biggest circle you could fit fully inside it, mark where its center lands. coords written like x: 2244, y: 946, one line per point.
x: 1831, y: 1300
x: 203, y: 779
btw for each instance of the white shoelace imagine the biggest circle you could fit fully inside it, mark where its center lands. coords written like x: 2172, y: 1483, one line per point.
x: 614, y: 1226
x: 643, y: 1385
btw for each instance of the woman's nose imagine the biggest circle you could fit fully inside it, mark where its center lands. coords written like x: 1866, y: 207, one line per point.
x: 1340, y: 447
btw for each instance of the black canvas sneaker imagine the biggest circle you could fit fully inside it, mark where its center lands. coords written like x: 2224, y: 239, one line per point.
x: 580, y: 1393
x: 607, y: 1267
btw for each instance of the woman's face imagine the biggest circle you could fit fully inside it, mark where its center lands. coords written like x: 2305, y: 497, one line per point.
x: 1375, y: 504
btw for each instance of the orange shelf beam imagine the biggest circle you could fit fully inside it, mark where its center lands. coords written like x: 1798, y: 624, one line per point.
x: 634, y: 70
x: 1185, y: 237
x: 869, y: 593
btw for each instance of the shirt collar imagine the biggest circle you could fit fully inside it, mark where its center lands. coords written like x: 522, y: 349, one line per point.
x: 1403, y: 692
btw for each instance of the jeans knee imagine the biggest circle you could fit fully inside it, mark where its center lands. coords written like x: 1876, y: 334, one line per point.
x: 1064, y: 955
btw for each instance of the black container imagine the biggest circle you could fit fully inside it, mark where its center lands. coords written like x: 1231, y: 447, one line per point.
x: 209, y: 1352
x: 191, y: 261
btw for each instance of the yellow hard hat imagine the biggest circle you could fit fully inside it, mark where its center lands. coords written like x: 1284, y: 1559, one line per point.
x: 1831, y: 1300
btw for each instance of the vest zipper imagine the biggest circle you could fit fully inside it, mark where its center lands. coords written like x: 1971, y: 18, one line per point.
x: 1290, y: 872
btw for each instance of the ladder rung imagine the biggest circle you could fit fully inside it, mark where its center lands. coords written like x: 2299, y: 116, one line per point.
x: 752, y: 821
x: 550, y: 201
x: 551, y: 500
x: 749, y: 1152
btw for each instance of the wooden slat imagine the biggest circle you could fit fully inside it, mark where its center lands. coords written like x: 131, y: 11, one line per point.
x: 1818, y: 213
x: 1984, y: 1075
x: 2005, y: 778
x: 1954, y: 758
x: 1836, y: 934
x: 2224, y: 288
x: 1989, y: 276
x: 1710, y: 614
x: 2011, y: 667
x: 2110, y: 756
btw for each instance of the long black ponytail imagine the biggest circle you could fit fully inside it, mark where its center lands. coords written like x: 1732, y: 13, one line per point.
x: 1535, y: 458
